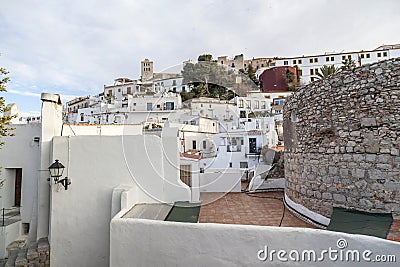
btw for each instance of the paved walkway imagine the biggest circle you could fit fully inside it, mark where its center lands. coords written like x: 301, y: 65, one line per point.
x: 255, y: 209
x: 394, y: 233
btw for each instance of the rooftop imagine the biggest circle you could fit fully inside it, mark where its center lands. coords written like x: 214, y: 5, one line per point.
x: 251, y: 209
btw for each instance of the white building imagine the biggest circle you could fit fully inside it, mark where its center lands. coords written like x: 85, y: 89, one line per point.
x: 121, y: 88
x: 174, y: 84
x: 309, y: 65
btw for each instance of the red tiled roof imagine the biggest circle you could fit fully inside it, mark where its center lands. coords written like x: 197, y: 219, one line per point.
x: 191, y: 156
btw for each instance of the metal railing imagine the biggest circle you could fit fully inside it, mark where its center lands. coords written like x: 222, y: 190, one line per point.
x: 9, y: 214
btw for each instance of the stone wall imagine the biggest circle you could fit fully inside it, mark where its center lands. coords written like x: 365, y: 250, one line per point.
x: 342, y: 141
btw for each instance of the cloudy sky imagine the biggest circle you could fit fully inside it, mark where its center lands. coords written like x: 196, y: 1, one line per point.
x: 75, y: 47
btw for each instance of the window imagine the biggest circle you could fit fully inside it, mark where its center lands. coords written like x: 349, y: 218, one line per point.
x: 230, y: 164
x: 194, y: 144
x: 222, y: 62
x: 262, y: 65
x: 204, y: 144
x: 313, y: 60
x: 170, y: 105
x: 242, y: 114
x: 149, y: 106
x: 210, y: 105
x: 128, y: 90
x: 234, y: 144
x: 248, y: 103
x: 299, y: 72
x: 252, y: 145
x: 279, y: 102
x: 109, y: 92
x: 294, y: 61
x: 385, y: 54
x: 379, y: 54
x: 185, y: 175
x: 240, y: 103
x: 349, y: 56
x: 119, y: 90
x: 201, y: 105
x: 173, y: 82
x: 256, y: 104
x: 285, y: 62
x: 312, y: 79
x: 300, y: 61
x: 134, y: 104
x: 244, y: 165
x: 368, y: 55
x: 330, y: 59
x: 362, y: 56
x: 311, y: 71
x: 158, y: 106
x: 82, y: 117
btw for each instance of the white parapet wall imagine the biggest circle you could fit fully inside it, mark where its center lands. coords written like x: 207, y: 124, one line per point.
x: 8, y: 234
x: 220, y: 180
x: 139, y: 242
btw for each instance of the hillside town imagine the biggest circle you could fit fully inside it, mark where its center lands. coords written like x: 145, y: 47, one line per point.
x: 153, y: 163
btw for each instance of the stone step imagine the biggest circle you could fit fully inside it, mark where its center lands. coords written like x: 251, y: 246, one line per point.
x: 31, y: 255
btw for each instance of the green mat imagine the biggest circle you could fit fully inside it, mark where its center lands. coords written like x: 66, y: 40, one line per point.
x: 184, y: 212
x: 359, y: 222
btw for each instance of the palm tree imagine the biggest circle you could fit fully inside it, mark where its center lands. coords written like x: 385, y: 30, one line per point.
x: 326, y: 71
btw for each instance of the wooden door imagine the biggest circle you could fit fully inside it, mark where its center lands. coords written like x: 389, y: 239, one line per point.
x: 18, y: 186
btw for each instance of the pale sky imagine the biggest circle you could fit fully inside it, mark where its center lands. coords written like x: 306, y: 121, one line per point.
x: 75, y: 47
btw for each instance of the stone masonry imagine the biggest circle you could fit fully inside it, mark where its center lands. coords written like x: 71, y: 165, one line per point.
x: 342, y: 141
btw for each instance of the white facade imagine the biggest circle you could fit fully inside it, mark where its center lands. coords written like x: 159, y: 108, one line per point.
x: 96, y: 165
x: 309, y: 65
x: 170, y: 84
x: 225, y: 112
x: 131, y: 109
x: 121, y: 88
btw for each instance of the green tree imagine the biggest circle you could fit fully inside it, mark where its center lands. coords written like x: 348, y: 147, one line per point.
x: 326, y: 70
x: 205, y: 57
x: 252, y: 74
x: 5, y: 120
x: 208, y: 79
x: 348, y: 64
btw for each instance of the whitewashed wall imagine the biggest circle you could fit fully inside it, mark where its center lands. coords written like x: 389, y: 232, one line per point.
x: 80, y: 216
x: 137, y: 242
x: 104, y: 129
x: 21, y: 151
x: 220, y: 180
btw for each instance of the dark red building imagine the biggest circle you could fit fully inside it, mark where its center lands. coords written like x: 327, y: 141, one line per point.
x: 278, y: 79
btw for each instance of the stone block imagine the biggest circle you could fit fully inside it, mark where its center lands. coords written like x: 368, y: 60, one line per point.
x: 326, y: 196
x: 339, y: 198
x: 383, y: 166
x: 333, y: 170
x: 394, y: 151
x: 365, y: 203
x: 372, y: 149
x: 368, y: 122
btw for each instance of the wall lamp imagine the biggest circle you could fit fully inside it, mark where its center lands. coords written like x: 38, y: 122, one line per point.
x: 56, y: 171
